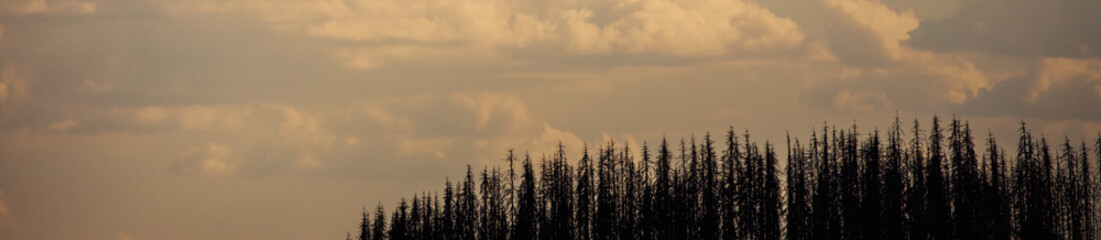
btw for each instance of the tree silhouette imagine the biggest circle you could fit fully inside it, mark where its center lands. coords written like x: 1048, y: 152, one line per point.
x: 893, y: 213
x: 526, y: 217
x: 364, y: 227
x: 585, y: 196
x: 841, y: 184
x: 379, y: 230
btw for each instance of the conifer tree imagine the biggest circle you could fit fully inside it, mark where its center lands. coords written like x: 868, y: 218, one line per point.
x: 939, y: 206
x: 663, y: 193
x: 825, y: 211
x: 379, y: 230
x: 730, y: 187
x: 526, y: 217
x: 628, y: 194
x: 709, y: 221
x: 605, y: 225
x: 770, y: 200
x: 916, y: 203
x: 872, y: 197
x: 447, y: 219
x: 413, y: 228
x: 466, y: 211
x: 585, y: 196
x: 399, y: 222
x: 647, y: 211
x: 1001, y: 226
x: 893, y: 188
x: 964, y: 181
x: 798, y: 208
x: 364, y: 227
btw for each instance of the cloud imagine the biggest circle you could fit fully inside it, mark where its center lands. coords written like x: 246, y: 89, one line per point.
x: 262, y: 134
x: 868, y: 37
x: 13, y: 85
x: 869, y: 33
x: 151, y: 115
x: 211, y: 159
x: 64, y: 125
x: 44, y: 6
x: 1045, y: 88
x: 7, y: 220
x: 861, y: 101
x: 124, y: 236
x: 1058, y: 28
x: 455, y: 128
x: 1063, y: 71
x: 391, y: 30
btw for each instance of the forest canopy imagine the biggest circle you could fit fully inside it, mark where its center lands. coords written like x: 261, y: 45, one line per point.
x: 908, y: 182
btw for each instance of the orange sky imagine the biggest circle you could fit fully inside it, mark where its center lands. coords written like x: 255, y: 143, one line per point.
x: 276, y: 119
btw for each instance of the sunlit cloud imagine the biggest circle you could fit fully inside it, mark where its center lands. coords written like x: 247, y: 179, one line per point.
x: 1062, y: 71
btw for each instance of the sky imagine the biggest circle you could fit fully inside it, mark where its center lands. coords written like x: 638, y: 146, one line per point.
x: 282, y: 119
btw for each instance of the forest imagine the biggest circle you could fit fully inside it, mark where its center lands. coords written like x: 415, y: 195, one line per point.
x: 904, y: 183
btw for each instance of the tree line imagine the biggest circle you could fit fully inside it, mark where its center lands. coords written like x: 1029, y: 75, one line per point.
x: 839, y: 184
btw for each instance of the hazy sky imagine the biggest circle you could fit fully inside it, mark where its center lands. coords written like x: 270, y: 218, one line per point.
x: 281, y: 119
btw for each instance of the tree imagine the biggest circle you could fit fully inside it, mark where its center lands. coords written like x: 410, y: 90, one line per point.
x: 730, y: 186
x: 825, y: 213
x: 627, y: 191
x: 364, y: 227
x: 849, y: 177
x: 798, y: 207
x: 663, y: 193
x: 447, y: 220
x: 770, y: 200
x: 399, y: 222
x: 647, y: 212
x: 940, y: 215
x: 606, y: 199
x: 916, y: 203
x: 379, y: 231
x: 709, y: 221
x: 871, y: 204
x: 466, y: 214
x: 893, y: 186
x: 997, y: 207
x: 964, y: 181
x: 585, y: 196
x: 526, y: 216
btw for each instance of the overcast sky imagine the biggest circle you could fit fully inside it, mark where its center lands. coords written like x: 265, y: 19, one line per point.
x: 281, y: 119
